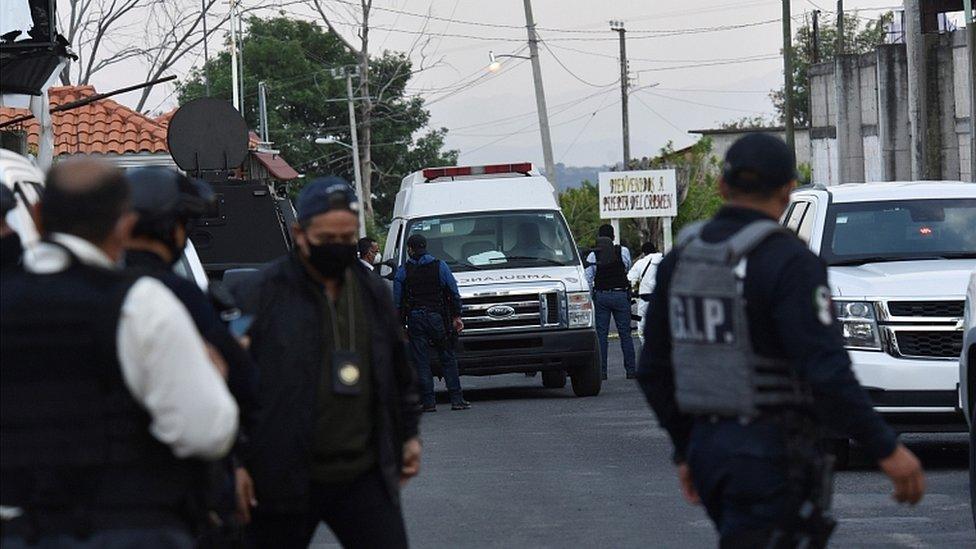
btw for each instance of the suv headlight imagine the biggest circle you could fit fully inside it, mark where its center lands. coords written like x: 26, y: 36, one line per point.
x: 858, y: 324
x: 580, y: 309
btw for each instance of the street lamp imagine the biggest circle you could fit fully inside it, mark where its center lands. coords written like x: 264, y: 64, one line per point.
x: 494, y: 65
x: 333, y: 140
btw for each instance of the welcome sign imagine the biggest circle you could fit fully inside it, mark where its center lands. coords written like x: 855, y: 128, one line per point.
x: 646, y: 193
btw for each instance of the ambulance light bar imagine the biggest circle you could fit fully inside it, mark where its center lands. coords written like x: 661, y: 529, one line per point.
x: 457, y: 171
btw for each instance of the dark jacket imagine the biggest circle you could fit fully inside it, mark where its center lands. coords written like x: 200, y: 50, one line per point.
x: 789, y: 317
x: 286, y: 342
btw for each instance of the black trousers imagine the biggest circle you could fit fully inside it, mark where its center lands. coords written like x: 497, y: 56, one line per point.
x: 361, y: 514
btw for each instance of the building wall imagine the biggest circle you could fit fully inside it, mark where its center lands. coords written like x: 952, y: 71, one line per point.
x: 860, y: 127
x: 723, y: 139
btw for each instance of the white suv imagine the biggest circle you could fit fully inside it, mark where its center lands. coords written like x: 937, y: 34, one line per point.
x: 899, y: 257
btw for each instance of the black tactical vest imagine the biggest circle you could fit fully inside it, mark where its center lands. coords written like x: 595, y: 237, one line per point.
x: 77, y: 452
x: 611, y: 273
x: 423, y: 284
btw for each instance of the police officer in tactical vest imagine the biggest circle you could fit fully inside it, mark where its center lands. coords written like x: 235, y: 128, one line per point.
x: 745, y: 367
x: 427, y: 295
x: 167, y: 204
x: 606, y: 271
x: 107, y: 390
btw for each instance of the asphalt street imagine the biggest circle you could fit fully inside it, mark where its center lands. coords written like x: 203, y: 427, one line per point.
x: 534, y: 467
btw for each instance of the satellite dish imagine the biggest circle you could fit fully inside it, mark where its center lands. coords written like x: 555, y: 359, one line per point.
x: 207, y: 134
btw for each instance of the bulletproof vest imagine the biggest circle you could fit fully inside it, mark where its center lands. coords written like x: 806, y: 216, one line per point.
x: 76, y: 446
x: 611, y: 273
x: 716, y: 369
x: 424, y: 286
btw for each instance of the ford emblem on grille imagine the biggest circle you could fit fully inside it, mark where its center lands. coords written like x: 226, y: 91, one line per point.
x: 500, y: 311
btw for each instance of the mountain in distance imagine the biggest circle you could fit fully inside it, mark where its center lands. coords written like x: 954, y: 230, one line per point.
x: 571, y: 177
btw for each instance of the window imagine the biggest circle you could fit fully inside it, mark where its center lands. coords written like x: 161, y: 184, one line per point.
x: 491, y: 240
x: 806, y: 224
x: 869, y: 232
x: 796, y: 214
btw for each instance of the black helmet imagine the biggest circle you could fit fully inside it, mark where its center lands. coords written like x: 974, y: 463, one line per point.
x: 165, y: 198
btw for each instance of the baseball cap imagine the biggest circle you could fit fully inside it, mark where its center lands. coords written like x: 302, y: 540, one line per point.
x: 324, y: 194
x: 759, y: 162
x: 157, y: 192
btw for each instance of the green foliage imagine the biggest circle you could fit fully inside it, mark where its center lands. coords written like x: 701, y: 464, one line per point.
x: 748, y: 122
x: 859, y: 37
x: 294, y: 59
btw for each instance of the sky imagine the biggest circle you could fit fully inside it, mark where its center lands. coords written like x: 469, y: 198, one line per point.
x: 689, y: 75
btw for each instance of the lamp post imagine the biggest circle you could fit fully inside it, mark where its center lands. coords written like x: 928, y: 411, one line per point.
x: 331, y: 140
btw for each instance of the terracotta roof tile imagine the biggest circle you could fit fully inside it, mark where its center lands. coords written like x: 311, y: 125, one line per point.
x: 104, y: 127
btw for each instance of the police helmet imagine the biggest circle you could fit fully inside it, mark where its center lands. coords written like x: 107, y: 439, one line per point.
x: 165, y: 198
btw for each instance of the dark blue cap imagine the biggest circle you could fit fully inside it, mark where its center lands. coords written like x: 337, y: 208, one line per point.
x: 759, y: 162
x: 324, y: 194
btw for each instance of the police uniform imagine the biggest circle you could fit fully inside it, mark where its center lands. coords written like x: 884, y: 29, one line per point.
x: 742, y: 354
x: 426, y: 293
x: 607, y: 275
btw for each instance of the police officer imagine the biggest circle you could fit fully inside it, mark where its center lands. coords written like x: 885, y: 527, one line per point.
x: 643, y: 274
x: 167, y: 204
x: 339, y: 434
x: 107, y: 388
x: 10, y: 245
x: 427, y: 295
x: 606, y: 271
x: 744, y: 365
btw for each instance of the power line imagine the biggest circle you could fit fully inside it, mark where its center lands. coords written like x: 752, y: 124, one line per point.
x: 699, y: 104
x: 659, y: 115
x: 573, y: 74
x: 713, y: 64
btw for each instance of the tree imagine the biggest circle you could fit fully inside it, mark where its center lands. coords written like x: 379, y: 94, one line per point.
x: 860, y: 37
x: 294, y: 58
x: 368, y: 83
x: 103, y: 33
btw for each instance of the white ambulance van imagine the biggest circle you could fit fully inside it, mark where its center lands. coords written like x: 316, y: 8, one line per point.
x: 526, y: 303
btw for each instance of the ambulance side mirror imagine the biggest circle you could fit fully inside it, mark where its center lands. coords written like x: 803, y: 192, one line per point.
x: 392, y: 266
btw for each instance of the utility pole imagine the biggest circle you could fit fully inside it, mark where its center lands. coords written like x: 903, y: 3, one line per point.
x: 971, y: 47
x: 240, y: 53
x: 840, y: 48
x: 235, y: 90
x: 788, y: 75
x: 618, y: 27
x: 540, y: 94
x: 354, y: 137
x: 263, y: 111
x: 816, y: 37
x: 206, y: 52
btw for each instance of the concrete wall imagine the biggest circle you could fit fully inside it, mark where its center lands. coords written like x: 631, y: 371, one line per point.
x: 860, y: 123
x: 723, y: 139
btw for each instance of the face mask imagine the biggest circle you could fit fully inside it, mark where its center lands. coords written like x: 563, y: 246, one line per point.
x: 332, y: 260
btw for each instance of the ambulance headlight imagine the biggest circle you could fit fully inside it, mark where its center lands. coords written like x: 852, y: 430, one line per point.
x: 858, y: 325
x: 580, y: 309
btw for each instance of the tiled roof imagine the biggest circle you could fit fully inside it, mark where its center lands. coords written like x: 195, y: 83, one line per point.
x: 102, y: 127
x: 163, y: 119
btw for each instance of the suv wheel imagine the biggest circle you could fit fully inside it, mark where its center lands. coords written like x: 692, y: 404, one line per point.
x: 554, y: 379
x: 588, y: 379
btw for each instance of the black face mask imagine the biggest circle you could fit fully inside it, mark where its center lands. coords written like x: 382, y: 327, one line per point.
x: 332, y: 260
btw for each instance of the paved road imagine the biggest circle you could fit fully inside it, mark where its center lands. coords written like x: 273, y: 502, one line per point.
x: 531, y: 467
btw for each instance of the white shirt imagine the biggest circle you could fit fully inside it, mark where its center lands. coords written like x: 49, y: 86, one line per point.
x: 648, y: 262
x: 369, y: 266
x: 164, y: 362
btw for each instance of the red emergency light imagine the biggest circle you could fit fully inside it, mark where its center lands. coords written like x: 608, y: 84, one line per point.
x: 457, y: 171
